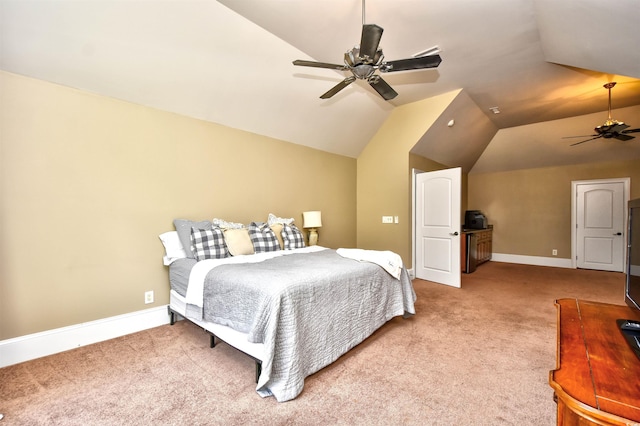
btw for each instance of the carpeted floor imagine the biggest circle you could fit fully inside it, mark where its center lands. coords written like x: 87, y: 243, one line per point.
x: 479, y: 355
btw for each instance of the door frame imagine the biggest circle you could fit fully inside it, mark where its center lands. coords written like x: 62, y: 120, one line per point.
x: 414, y: 172
x: 574, y: 214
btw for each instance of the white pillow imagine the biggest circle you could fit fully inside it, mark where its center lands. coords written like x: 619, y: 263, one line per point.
x: 273, y: 219
x: 172, y: 247
x: 223, y: 224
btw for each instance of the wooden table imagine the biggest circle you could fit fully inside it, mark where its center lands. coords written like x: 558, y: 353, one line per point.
x: 597, y: 379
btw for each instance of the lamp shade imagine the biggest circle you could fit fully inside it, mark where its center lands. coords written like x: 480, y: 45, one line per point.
x: 312, y: 219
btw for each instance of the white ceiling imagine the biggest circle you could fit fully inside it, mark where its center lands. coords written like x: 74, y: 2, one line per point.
x: 230, y: 62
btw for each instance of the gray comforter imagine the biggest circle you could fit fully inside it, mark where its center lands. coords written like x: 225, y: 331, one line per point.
x: 307, y: 309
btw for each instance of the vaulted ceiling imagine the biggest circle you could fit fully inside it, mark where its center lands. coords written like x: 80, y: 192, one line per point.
x: 541, y: 62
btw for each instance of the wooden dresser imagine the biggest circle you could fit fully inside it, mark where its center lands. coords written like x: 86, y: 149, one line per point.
x: 597, y: 379
x: 481, y: 250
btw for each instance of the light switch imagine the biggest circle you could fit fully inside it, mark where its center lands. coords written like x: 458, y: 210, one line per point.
x: 387, y: 219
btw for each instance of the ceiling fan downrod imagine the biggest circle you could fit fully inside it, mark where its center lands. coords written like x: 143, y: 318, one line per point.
x: 610, y: 121
x: 609, y: 86
x: 362, y: 12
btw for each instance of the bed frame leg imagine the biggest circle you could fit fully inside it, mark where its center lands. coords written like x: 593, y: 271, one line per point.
x: 258, y: 370
x: 212, y: 341
x: 172, y: 316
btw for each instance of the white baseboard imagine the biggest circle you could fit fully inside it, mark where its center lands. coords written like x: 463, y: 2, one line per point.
x: 412, y: 274
x: 32, y: 346
x: 532, y: 260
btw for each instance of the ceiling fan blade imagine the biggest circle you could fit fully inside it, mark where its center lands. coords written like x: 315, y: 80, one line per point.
x: 581, y: 136
x: 618, y: 127
x: 631, y: 131
x: 578, y: 143
x: 371, y: 36
x: 338, y: 87
x: 623, y: 137
x: 412, y: 63
x: 303, y: 63
x: 381, y: 86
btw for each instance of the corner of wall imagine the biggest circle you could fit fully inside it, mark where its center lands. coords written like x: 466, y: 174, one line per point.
x: 383, y: 186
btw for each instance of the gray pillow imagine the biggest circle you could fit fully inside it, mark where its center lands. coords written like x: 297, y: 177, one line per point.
x: 183, y: 227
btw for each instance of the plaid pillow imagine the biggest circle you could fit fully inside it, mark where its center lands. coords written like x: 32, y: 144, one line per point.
x: 208, y: 244
x: 263, y: 238
x: 292, y: 237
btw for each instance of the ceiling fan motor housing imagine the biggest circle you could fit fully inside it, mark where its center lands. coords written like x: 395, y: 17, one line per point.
x: 362, y: 67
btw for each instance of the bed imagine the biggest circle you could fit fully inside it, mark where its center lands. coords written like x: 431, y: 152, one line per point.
x: 293, y: 311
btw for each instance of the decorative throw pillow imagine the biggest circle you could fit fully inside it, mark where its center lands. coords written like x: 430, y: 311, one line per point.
x: 263, y: 238
x: 238, y: 241
x: 223, y: 224
x: 183, y: 227
x: 208, y: 243
x: 292, y: 237
x: 277, y: 229
x: 272, y: 219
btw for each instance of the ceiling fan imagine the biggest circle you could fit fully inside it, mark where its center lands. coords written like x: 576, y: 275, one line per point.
x: 364, y: 60
x: 611, y: 128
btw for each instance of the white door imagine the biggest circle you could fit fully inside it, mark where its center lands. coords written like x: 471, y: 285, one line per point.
x: 437, y: 224
x: 600, y: 233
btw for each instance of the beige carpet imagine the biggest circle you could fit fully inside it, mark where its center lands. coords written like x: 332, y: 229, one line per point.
x: 479, y: 355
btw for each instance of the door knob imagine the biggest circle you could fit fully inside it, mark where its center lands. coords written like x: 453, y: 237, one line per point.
x: 618, y: 233
x: 454, y: 233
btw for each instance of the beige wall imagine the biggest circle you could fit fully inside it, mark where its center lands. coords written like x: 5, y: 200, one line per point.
x: 88, y: 183
x: 384, y: 184
x: 531, y: 209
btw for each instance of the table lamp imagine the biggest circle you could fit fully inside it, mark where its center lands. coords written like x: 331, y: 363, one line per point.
x: 312, y: 221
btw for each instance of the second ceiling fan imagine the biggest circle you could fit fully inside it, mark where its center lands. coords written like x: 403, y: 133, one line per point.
x: 611, y: 128
x: 364, y: 60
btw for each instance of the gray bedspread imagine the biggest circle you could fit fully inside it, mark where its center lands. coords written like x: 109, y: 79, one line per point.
x: 307, y: 309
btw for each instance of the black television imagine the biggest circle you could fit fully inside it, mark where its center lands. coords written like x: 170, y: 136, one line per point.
x: 632, y: 286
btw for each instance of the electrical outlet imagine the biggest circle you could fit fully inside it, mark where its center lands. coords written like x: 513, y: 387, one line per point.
x: 148, y: 297
x: 554, y: 252
x: 387, y: 219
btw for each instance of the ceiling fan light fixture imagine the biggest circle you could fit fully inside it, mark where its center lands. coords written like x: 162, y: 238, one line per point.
x: 362, y: 67
x: 350, y: 57
x: 363, y: 71
x: 608, y: 125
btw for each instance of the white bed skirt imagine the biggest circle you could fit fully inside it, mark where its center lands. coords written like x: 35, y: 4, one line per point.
x: 230, y: 336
